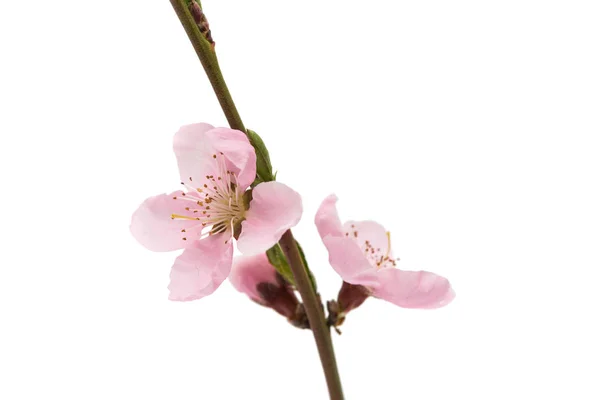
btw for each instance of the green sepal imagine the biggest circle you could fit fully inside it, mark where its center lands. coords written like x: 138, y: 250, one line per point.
x: 278, y: 260
x: 264, y: 170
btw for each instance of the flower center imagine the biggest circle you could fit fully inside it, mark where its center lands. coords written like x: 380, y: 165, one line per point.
x: 216, y: 202
x: 377, y: 257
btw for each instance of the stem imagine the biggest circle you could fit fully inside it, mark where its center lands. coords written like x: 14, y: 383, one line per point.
x: 312, y: 305
x: 316, y: 317
x: 208, y: 58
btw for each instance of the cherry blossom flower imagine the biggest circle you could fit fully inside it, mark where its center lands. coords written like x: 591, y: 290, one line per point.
x: 217, y: 166
x: 360, y: 252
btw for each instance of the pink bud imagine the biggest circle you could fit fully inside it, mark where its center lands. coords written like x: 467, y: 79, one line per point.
x: 256, y: 277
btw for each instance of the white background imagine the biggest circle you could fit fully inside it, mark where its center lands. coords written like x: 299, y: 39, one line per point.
x: 468, y: 128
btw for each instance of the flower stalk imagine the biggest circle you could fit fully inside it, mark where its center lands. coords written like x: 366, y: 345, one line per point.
x: 204, y: 47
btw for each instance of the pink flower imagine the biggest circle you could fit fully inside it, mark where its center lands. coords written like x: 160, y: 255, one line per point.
x: 217, y: 165
x: 361, y: 253
x: 256, y: 277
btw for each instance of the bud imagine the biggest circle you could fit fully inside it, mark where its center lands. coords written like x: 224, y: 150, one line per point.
x: 258, y: 279
x: 201, y: 21
x: 279, y: 298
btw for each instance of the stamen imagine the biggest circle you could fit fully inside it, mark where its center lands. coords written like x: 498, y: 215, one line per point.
x: 177, y: 216
x: 389, y: 238
x: 221, y: 191
x: 375, y: 255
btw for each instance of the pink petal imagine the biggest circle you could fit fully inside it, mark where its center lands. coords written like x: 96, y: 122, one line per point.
x: 248, y: 272
x: 196, y: 145
x: 152, y: 226
x: 413, y: 289
x: 345, y: 254
x: 348, y: 260
x: 327, y: 219
x: 274, y: 209
x: 371, y: 231
x: 201, y: 268
x: 238, y: 151
x: 193, y: 154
